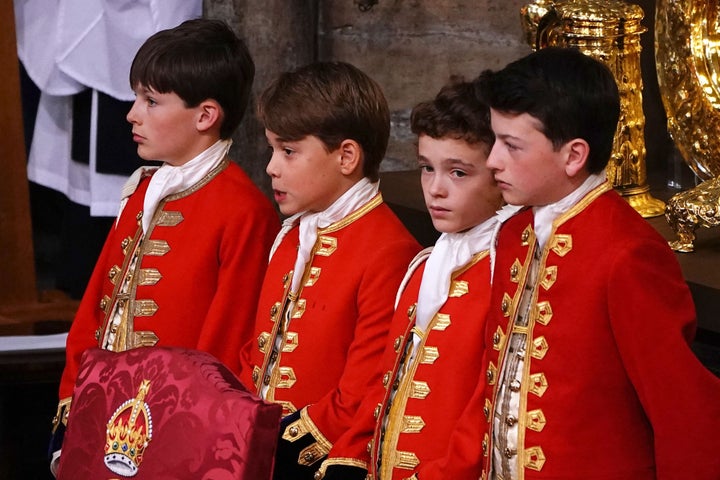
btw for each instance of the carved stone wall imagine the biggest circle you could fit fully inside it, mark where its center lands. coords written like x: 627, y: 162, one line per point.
x: 411, y: 47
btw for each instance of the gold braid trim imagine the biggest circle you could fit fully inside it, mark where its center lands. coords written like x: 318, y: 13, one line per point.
x: 62, y: 413
x: 350, y: 462
x: 304, y: 425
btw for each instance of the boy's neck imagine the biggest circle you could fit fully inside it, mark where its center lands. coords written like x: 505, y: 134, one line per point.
x: 203, y: 142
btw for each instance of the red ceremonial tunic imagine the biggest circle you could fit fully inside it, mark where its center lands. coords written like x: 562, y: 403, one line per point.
x: 197, y: 275
x: 333, y: 344
x: 610, y: 388
x: 412, y: 421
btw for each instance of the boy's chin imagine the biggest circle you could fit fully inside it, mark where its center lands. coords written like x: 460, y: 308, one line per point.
x: 287, y: 211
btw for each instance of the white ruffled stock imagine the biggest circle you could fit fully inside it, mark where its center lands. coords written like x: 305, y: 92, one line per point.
x: 451, y: 251
x: 545, y: 215
x: 169, y: 179
x: 357, y: 196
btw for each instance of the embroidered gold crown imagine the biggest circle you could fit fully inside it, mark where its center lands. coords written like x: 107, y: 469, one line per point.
x: 129, y: 432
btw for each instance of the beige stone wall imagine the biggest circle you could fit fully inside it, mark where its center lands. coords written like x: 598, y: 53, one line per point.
x: 412, y: 48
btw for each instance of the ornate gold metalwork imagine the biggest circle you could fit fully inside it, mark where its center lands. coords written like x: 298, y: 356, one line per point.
x: 687, y: 34
x: 530, y: 16
x: 609, y: 30
x: 688, y: 210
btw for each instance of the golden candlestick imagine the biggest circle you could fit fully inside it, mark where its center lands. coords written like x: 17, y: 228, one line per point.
x: 608, y: 30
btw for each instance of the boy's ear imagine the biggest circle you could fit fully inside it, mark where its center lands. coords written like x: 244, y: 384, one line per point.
x: 577, y: 151
x: 350, y: 156
x: 209, y: 115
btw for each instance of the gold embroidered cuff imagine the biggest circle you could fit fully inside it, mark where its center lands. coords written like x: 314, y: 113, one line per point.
x: 350, y: 462
x: 302, y: 426
x: 61, y: 416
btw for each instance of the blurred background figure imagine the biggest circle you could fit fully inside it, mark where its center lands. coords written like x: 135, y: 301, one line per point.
x: 75, y: 60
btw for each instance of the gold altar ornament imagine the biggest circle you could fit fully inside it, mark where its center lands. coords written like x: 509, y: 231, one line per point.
x: 608, y: 30
x: 687, y: 36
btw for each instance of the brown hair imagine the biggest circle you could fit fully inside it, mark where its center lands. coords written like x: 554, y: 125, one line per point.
x: 455, y: 112
x: 332, y: 101
x: 198, y: 60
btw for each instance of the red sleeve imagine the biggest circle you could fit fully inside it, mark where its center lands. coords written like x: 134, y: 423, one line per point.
x: 333, y: 414
x: 464, y: 455
x: 82, y: 331
x: 244, y: 250
x: 653, y: 331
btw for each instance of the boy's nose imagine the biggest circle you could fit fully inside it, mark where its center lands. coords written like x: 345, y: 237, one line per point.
x: 437, y: 189
x: 271, y: 169
x: 131, y: 116
x: 493, y: 159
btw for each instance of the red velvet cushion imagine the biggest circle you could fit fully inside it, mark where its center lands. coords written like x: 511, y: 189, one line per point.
x: 196, y: 418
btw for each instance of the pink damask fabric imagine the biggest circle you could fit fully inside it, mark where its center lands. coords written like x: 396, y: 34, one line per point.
x: 165, y: 413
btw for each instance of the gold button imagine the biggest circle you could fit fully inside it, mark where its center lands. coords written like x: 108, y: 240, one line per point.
x: 139, y: 215
x: 97, y: 334
x: 125, y: 243
x: 369, y: 446
x: 112, y: 273
x: 486, y: 411
x: 317, y: 475
x: 255, y: 376
x: 273, y: 356
x: 490, y: 376
x: 103, y: 304
x: 496, y: 338
x: 513, y: 271
x: 485, y: 446
x: 261, y: 341
x: 376, y: 413
x: 396, y: 384
x: 510, y: 452
x: 293, y: 431
x: 285, y: 278
x: 386, y: 379
x: 525, y: 235
x: 515, y: 386
x: 309, y: 456
x: 266, y: 380
x: 510, y: 420
x: 398, y: 342
x: 504, y: 306
x: 273, y: 310
x: 411, y: 310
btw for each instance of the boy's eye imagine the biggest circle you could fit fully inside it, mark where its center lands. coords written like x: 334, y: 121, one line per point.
x: 426, y: 168
x: 458, y: 173
x: 151, y: 102
x: 288, y: 151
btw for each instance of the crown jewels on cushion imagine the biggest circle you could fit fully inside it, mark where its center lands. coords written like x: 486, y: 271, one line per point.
x: 129, y: 432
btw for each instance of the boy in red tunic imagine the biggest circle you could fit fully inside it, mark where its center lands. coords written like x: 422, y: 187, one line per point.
x: 182, y: 264
x: 327, y: 298
x: 432, y: 361
x: 588, y: 362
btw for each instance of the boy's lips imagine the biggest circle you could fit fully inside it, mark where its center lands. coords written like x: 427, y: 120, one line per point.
x: 279, y: 195
x: 501, y: 184
x: 437, y: 210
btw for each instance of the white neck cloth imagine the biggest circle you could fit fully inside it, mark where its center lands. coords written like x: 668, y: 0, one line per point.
x: 451, y: 251
x: 169, y: 179
x: 546, y: 215
x: 357, y: 196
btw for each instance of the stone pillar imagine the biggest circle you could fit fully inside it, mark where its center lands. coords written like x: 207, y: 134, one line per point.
x: 281, y: 36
